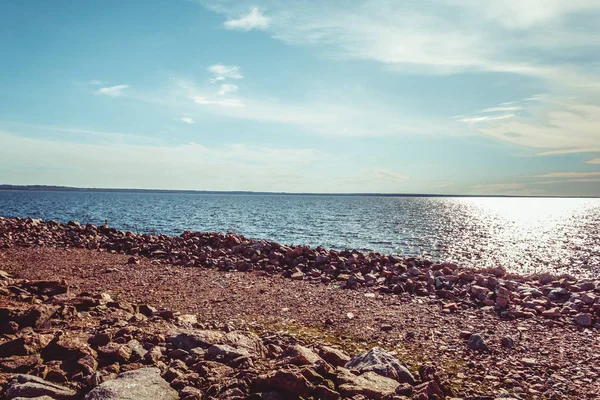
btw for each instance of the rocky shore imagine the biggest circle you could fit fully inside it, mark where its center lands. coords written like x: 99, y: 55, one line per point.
x: 274, y: 321
x: 58, y: 345
x: 560, y: 298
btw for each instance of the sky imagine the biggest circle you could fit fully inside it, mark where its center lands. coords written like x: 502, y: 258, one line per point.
x: 404, y: 96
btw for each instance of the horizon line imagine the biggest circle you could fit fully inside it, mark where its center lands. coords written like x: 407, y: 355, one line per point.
x: 7, y: 187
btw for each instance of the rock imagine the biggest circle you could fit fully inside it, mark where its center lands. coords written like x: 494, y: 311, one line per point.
x: 153, y: 355
x: 430, y: 390
x: 477, y: 343
x: 552, y: 313
x: 545, y: 279
x: 369, y: 384
x: 382, y: 363
x: 583, y: 319
x: 288, y: 381
x: 300, y: 355
x: 188, y: 339
x: 335, y: 357
x: 298, y: 276
x: 137, y: 350
x: 186, y: 319
x: 37, y: 315
x: 507, y: 342
x: 190, y: 393
x: 23, y: 345
x: 325, y: 393
x: 20, y: 364
x: 99, y: 339
x: 225, y: 352
x: 115, y: 352
x: 144, y: 383
x: 529, y: 362
x: 478, y: 290
x: 147, y: 310
x: 586, y: 286
x: 31, y: 386
x: 47, y: 288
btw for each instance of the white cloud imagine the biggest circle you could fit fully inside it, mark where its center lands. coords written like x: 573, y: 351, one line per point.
x: 189, y: 166
x: 96, y: 82
x: 218, y: 102
x: 332, y: 116
x: 253, y: 20
x: 570, y: 175
x: 441, y: 184
x: 594, y: 161
x: 222, y: 72
x: 472, y: 120
x: 558, y: 125
x: 443, y: 36
x: 525, y: 14
x: 112, y: 90
x: 187, y: 120
x: 567, y: 181
x: 227, y: 88
x: 501, y: 109
x: 377, y: 174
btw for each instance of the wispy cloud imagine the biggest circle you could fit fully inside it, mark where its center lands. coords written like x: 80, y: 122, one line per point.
x: 187, y: 120
x: 112, y: 90
x: 234, y: 166
x: 222, y: 72
x: 568, y: 181
x: 96, y: 82
x: 438, y: 36
x: 556, y: 125
x: 570, y: 175
x: 594, y: 161
x: 377, y: 174
x: 218, y: 102
x: 253, y: 20
x: 331, y: 116
x: 501, y: 109
x: 486, y: 118
x: 227, y: 88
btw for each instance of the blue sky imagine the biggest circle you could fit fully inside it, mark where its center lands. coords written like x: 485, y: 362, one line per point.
x: 405, y: 96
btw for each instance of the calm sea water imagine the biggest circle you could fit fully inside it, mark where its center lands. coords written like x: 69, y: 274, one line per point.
x: 523, y: 234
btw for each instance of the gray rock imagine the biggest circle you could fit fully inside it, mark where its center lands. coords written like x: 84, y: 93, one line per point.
x: 382, y: 363
x: 29, y: 386
x: 188, y: 339
x: 225, y: 352
x: 34, y: 398
x: 476, y: 342
x: 144, y: 383
x: 583, y: 319
x: 369, y: 384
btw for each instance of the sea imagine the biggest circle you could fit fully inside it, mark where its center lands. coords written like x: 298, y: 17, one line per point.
x: 524, y: 235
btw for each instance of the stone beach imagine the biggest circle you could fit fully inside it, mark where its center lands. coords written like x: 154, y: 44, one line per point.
x: 213, y: 315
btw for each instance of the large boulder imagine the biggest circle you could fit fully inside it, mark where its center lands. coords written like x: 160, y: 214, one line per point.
x: 369, y: 384
x: 383, y: 363
x: 30, y: 386
x: 145, y: 383
x: 188, y: 339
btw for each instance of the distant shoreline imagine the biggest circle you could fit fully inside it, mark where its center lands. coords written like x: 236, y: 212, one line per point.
x: 50, y: 188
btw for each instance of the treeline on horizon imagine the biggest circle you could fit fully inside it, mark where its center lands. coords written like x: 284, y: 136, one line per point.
x: 42, y: 188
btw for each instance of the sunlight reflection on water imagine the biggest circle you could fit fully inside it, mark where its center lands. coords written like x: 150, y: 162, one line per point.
x: 525, y: 235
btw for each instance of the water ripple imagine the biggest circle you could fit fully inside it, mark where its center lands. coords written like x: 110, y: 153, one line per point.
x: 525, y: 235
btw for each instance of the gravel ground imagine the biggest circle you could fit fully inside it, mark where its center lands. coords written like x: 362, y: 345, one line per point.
x: 547, y: 359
